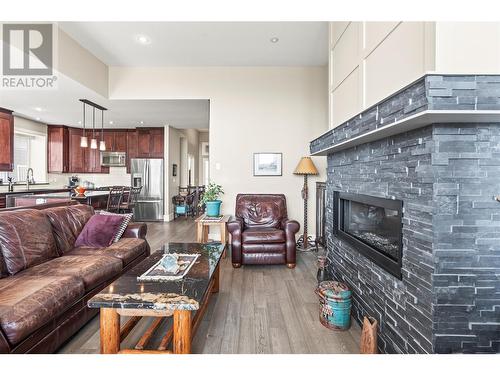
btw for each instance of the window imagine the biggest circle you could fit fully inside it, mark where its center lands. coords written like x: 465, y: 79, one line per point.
x: 29, y: 152
x: 21, y: 156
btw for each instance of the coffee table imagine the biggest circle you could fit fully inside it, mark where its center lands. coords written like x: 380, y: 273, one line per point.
x: 185, y: 300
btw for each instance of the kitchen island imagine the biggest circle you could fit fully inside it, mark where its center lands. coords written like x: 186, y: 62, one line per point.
x: 96, y: 199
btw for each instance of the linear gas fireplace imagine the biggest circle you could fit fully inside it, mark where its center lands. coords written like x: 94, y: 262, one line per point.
x: 373, y: 226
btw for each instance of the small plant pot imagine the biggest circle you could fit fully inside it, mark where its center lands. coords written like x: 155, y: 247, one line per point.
x: 213, y: 208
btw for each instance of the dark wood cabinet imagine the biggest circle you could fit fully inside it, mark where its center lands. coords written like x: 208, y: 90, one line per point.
x: 64, y: 154
x: 157, y: 143
x: 76, y: 153
x: 131, y: 147
x: 83, y: 160
x: 120, y: 141
x: 150, y: 142
x: 116, y: 140
x: 6, y: 140
x: 58, y: 149
x: 93, y: 158
x: 143, y: 143
x: 109, y: 138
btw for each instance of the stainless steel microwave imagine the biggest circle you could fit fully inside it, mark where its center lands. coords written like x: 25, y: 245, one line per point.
x: 113, y: 159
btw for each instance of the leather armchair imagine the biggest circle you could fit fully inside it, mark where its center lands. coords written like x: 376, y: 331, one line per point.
x: 261, y: 232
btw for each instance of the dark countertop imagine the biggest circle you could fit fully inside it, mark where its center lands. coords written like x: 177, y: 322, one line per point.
x: 68, y: 194
x: 34, y: 191
x: 184, y: 294
x: 24, y: 184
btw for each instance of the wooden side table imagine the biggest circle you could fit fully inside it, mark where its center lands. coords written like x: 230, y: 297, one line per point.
x: 203, y: 227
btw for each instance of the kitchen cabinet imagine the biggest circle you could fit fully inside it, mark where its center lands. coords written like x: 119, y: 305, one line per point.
x: 143, y: 143
x: 120, y: 141
x: 116, y: 140
x: 93, y: 157
x: 109, y: 138
x: 64, y: 154
x: 6, y: 140
x: 84, y: 160
x: 131, y: 147
x: 150, y: 142
x: 76, y: 153
x: 157, y: 143
x: 58, y: 149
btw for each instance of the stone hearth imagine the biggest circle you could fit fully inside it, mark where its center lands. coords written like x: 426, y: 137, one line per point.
x: 447, y: 175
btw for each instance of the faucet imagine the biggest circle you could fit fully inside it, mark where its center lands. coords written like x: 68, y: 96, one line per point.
x: 28, y: 179
x: 11, y: 184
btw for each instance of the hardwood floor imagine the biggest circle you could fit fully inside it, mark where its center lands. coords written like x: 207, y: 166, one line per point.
x: 259, y: 309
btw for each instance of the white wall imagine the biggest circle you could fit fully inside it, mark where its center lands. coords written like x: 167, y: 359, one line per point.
x: 371, y: 60
x: 468, y: 47
x: 79, y: 64
x: 253, y: 109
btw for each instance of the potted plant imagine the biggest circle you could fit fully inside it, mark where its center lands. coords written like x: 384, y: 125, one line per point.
x: 211, y: 199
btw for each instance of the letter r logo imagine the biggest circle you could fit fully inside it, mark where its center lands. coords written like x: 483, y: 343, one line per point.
x: 27, y: 49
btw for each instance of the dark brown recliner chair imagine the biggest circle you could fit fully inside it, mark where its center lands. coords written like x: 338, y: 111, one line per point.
x: 261, y: 232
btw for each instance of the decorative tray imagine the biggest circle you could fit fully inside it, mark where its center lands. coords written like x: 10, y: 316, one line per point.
x: 159, y: 273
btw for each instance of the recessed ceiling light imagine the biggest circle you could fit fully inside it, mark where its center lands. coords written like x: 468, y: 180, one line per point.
x: 79, y: 122
x: 143, y: 39
x: 274, y: 40
x: 38, y: 109
x: 142, y: 122
x: 38, y: 119
x: 111, y: 123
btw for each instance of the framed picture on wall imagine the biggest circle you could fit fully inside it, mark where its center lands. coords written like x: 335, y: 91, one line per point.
x: 267, y: 164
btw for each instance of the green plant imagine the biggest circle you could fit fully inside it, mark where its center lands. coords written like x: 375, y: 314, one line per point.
x: 212, y: 193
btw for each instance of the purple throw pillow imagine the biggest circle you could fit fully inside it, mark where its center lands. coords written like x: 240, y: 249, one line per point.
x: 99, y: 231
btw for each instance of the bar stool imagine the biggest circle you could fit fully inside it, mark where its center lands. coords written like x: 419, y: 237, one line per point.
x: 130, y: 195
x: 115, y: 199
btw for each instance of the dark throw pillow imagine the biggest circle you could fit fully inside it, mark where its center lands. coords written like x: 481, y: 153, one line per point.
x: 126, y: 220
x: 99, y: 231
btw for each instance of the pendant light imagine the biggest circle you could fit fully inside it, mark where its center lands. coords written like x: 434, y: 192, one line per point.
x: 93, y: 141
x: 102, y: 144
x: 83, y: 138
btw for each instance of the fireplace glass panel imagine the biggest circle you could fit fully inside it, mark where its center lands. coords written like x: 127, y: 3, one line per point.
x: 376, y: 226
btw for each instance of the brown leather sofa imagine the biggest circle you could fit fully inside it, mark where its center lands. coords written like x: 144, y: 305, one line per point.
x: 261, y: 232
x: 45, y: 282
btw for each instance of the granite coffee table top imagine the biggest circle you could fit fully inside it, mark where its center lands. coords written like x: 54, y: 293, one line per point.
x: 185, y: 294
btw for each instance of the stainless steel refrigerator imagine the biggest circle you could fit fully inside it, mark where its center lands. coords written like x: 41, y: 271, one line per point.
x: 148, y: 173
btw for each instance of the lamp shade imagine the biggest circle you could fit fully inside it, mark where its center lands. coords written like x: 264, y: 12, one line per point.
x: 305, y: 166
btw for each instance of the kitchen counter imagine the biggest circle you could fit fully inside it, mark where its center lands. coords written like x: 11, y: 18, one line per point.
x: 34, y: 191
x: 68, y: 194
x: 96, y: 199
x: 7, y: 197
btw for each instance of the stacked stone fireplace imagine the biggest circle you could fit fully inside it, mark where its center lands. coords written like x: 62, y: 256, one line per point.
x: 444, y: 176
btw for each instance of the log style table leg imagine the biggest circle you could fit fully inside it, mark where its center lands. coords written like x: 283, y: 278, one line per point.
x: 110, y: 331
x: 223, y: 237
x: 206, y: 230
x: 182, y: 332
x: 199, y: 232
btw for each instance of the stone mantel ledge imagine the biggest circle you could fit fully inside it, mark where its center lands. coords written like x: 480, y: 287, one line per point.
x: 431, y: 99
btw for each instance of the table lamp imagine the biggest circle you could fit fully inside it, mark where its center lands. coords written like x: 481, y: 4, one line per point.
x: 305, y: 168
